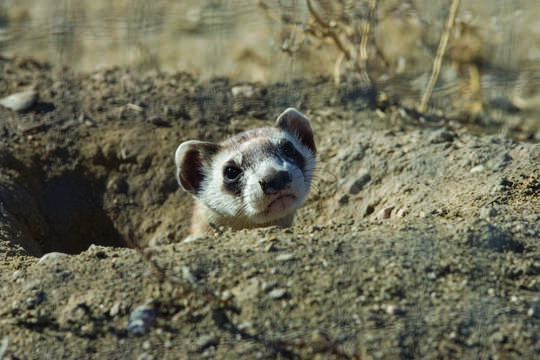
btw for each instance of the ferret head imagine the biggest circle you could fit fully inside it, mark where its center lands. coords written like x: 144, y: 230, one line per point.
x: 254, y: 178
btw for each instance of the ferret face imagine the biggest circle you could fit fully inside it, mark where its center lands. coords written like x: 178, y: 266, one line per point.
x: 253, y: 178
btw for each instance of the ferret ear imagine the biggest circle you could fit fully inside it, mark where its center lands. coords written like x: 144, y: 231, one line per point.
x: 297, y: 124
x: 190, y: 158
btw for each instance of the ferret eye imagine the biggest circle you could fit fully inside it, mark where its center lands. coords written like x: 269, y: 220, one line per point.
x: 231, y: 173
x: 288, y: 150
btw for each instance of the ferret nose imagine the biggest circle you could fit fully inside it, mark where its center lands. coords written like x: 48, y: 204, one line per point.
x: 275, y: 182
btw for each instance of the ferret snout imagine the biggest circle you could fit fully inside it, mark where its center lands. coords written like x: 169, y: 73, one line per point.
x: 274, y: 182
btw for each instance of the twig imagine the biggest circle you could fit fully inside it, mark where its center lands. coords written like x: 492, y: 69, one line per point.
x: 440, y: 54
x: 337, y: 69
x: 328, y: 32
x: 365, y: 31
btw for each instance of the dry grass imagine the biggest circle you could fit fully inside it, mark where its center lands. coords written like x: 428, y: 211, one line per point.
x: 437, y: 62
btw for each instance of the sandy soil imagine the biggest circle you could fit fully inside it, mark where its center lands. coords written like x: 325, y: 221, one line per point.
x: 420, y: 239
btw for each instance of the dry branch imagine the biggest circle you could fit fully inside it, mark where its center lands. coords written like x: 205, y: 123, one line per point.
x: 439, y: 56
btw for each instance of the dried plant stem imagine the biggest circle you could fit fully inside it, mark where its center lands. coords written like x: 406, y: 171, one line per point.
x: 328, y: 31
x: 337, y: 69
x: 439, y: 56
x: 365, y: 31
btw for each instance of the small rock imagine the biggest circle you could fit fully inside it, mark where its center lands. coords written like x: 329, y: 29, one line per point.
x: 141, y: 319
x: 246, y: 325
x: 533, y: 312
x: 145, y: 356
x: 17, y: 274
x: 271, y: 248
x: 88, y: 330
x: 270, y: 285
x: 206, y: 341
x: 357, y: 185
x: 20, y: 101
x: 226, y: 295
x: 38, y: 298
x: 394, y: 310
x: 158, y: 121
x: 343, y: 200
x: 4, y: 346
x: 114, y: 310
x: 242, y: 91
x: 189, y: 276
x: 497, y: 337
x: 477, y: 169
x: 487, y: 212
x: 97, y: 251
x: 285, y: 257
x: 51, y: 257
x: 441, y: 136
x: 191, y: 238
x: 504, y: 182
x: 277, y: 294
x: 369, y: 209
x: 385, y: 213
x: 402, y: 212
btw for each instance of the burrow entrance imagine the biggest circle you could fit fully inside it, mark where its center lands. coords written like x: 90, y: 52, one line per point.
x: 72, y: 206
x: 63, y: 212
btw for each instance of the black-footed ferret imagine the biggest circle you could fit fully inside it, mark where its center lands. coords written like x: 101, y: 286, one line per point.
x: 254, y: 179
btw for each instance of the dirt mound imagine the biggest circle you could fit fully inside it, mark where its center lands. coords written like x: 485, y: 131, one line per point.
x: 419, y: 239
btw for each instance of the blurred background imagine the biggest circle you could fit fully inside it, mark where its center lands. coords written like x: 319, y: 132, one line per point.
x: 491, y: 67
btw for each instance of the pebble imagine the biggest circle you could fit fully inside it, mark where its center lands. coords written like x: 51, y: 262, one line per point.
x: 358, y: 184
x: 4, y: 346
x: 97, y: 251
x: 158, y: 121
x: 51, y: 257
x: 277, y: 294
x: 394, y: 310
x: 385, y: 213
x: 271, y: 248
x: 441, y: 136
x: 497, y: 337
x: 487, y: 212
x: 145, y: 356
x: 141, y: 319
x: 191, y: 238
x: 115, y: 309
x: 343, y: 200
x: 478, y: 168
x: 243, y: 91
x: 206, y: 341
x: 270, y: 285
x: 17, y: 274
x: 189, y: 276
x: 285, y: 257
x: 20, y: 101
x: 37, y: 298
x: 402, y: 212
x: 368, y: 210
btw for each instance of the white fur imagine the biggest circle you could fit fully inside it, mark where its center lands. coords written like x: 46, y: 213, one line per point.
x: 250, y: 207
